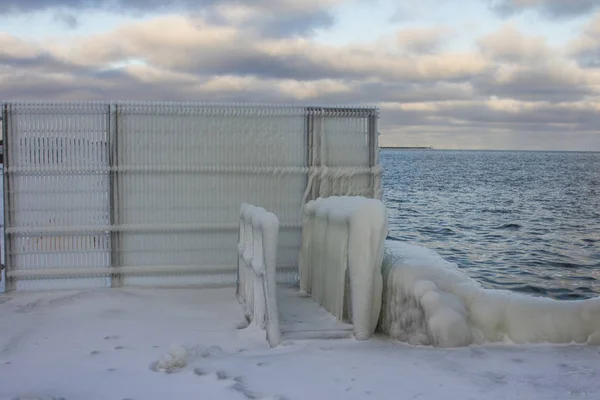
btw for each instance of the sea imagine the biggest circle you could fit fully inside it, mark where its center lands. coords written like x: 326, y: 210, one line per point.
x: 526, y: 221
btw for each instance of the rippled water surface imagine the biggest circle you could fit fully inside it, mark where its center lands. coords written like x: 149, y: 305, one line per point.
x: 524, y: 221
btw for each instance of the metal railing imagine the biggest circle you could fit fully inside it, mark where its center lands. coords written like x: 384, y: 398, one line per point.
x: 340, y: 259
x: 256, y: 280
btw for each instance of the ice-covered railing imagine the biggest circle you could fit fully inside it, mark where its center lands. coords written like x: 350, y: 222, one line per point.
x: 340, y: 258
x: 429, y: 301
x: 257, y: 254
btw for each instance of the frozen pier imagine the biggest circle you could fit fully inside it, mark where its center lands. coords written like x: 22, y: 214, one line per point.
x: 300, y: 317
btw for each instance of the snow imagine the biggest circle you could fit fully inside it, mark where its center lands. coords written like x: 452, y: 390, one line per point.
x: 428, y: 300
x: 106, y: 344
x: 345, y: 236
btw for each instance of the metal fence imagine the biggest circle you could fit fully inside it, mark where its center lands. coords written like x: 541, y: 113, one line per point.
x: 138, y: 193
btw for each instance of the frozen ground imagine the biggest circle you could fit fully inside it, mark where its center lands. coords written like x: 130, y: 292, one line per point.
x: 104, y: 344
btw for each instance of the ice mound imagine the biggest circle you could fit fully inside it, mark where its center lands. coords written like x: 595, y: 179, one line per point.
x: 176, y: 358
x: 429, y: 301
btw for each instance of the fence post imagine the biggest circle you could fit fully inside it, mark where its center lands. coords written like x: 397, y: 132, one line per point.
x: 6, y: 122
x: 116, y: 279
x: 374, y: 180
x: 314, y: 157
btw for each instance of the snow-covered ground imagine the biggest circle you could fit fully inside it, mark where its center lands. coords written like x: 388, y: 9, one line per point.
x: 105, y: 344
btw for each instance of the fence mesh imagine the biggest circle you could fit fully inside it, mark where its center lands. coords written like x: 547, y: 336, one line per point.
x: 138, y: 193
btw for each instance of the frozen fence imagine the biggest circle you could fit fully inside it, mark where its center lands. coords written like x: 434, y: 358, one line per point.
x: 138, y: 193
x: 340, y: 260
x: 257, y: 254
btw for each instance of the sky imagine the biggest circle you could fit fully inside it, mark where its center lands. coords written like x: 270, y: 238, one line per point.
x: 460, y: 74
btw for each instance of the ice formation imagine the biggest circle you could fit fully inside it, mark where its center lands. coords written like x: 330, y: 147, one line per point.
x: 341, y: 255
x: 429, y: 301
x: 257, y: 250
x: 176, y: 358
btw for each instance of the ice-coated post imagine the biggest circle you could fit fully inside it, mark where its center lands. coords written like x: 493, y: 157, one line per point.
x: 366, y: 241
x: 340, y: 262
x: 257, y: 259
x: 270, y: 225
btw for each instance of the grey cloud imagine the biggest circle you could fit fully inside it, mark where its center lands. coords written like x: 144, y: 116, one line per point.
x: 297, y: 24
x: 293, y: 60
x: 532, y: 84
x: 478, y: 126
x: 422, y: 40
x: 41, y: 61
x: 67, y: 19
x: 589, y: 58
x: 543, y: 118
x: 369, y: 76
x: 249, y: 63
x: 556, y: 9
x: 400, y: 92
x: 273, y: 18
x: 451, y: 123
x: 10, y: 6
x: 508, y: 44
x: 282, y: 23
x: 586, y: 48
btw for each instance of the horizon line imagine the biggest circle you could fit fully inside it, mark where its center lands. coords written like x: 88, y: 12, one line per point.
x: 431, y: 148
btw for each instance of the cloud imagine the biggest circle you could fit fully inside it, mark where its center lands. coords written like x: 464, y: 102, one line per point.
x: 527, y: 68
x: 67, y: 19
x: 510, y: 90
x: 586, y: 48
x: 272, y: 18
x: 125, y: 6
x: 494, y: 123
x: 509, y: 44
x: 552, y: 83
x: 422, y: 40
x: 195, y: 46
x: 555, y: 9
x: 267, y: 17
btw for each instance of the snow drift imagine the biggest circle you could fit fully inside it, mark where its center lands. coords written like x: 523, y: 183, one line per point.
x: 429, y: 301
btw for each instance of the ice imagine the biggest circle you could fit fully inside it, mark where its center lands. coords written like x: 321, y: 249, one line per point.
x: 345, y: 236
x: 98, y: 345
x: 257, y: 251
x: 176, y: 358
x: 429, y: 301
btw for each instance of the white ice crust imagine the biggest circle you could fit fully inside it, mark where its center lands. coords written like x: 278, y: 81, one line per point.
x: 345, y: 236
x: 429, y: 301
x: 257, y: 249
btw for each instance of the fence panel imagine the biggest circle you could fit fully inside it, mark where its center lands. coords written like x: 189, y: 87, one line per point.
x: 56, y: 172
x: 184, y: 168
x: 142, y: 193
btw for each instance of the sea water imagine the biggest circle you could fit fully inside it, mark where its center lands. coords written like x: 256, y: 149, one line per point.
x: 523, y: 221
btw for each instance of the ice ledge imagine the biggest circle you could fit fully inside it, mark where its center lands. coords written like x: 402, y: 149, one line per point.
x: 429, y: 301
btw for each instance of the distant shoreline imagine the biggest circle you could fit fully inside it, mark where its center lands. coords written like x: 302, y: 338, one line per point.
x: 488, y: 150
x: 406, y: 148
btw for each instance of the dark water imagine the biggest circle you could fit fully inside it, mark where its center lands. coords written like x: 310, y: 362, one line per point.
x: 524, y: 221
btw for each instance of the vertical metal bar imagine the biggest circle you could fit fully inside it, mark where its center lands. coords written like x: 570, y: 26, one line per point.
x: 3, y: 129
x: 373, y: 151
x: 10, y: 283
x: 308, y: 140
x: 237, y: 248
x: 113, y: 161
x: 315, y: 115
x: 319, y: 156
